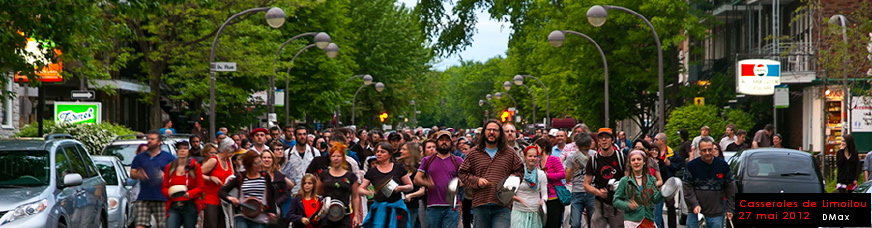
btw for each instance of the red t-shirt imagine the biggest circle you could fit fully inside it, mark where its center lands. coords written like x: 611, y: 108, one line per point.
x: 210, y: 190
x: 310, y: 207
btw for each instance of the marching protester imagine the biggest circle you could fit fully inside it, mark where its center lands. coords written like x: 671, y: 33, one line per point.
x: 527, y: 208
x: 553, y: 168
x: 605, y: 168
x: 707, y: 183
x: 485, y: 167
x: 280, y: 184
x: 436, y: 173
x: 148, y: 168
x: 299, y: 157
x: 410, y: 157
x: 575, y: 165
x: 637, y: 193
x: 216, y: 170
x: 183, y: 186
x: 254, y: 202
x: 339, y: 183
x: 389, y: 179
x: 306, y: 204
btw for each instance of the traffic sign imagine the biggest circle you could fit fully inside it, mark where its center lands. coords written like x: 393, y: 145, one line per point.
x: 782, y: 97
x: 699, y: 101
x: 82, y: 94
x: 223, y: 66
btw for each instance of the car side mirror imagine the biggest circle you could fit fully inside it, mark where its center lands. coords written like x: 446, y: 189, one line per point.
x: 130, y: 182
x: 72, y: 179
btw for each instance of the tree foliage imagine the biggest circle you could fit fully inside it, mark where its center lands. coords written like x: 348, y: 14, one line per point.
x: 692, y: 118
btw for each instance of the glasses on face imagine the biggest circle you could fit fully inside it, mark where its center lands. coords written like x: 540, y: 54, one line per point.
x: 492, y: 130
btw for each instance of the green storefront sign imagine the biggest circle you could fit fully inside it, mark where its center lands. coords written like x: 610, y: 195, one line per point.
x: 78, y: 112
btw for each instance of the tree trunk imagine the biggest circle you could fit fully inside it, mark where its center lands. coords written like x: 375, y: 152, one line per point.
x: 155, y: 71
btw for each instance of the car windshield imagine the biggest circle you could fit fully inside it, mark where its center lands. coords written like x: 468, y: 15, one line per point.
x: 780, y: 166
x: 126, y: 152
x: 24, y: 168
x: 107, y: 170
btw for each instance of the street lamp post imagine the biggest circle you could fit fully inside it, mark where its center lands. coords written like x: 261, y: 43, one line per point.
x: 842, y: 21
x: 556, y: 39
x: 414, y: 112
x: 597, y: 16
x: 331, y: 50
x: 378, y: 88
x: 275, y: 17
x: 519, y: 80
x: 483, y: 102
x: 321, y: 40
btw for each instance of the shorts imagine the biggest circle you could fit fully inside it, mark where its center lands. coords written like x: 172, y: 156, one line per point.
x: 144, y: 210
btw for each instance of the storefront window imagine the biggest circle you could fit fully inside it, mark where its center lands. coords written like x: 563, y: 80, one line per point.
x: 834, y: 111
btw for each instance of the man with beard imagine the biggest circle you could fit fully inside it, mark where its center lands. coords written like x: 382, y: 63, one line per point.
x: 299, y: 157
x: 485, y: 168
x: 435, y: 173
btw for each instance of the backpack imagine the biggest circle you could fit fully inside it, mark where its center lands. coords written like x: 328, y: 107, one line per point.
x: 620, y: 164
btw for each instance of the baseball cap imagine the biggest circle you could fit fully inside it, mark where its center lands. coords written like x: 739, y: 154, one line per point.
x: 553, y: 132
x: 605, y: 130
x: 443, y: 133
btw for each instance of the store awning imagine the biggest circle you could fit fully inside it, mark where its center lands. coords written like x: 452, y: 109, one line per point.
x: 797, y: 77
x: 122, y: 85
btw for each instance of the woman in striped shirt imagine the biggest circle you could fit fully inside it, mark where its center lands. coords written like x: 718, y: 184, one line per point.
x: 253, y: 186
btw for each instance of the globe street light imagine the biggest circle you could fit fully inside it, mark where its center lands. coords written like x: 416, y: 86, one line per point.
x: 275, y: 17
x: 321, y: 40
x: 378, y: 88
x: 331, y: 53
x: 519, y: 80
x: 597, y: 16
x: 367, y: 79
x: 556, y: 39
x: 488, y: 96
x: 507, y: 85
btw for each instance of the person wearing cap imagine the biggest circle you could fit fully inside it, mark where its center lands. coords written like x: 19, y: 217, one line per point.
x: 486, y: 166
x: 707, y: 183
x: 435, y: 174
x: 219, y: 136
x: 260, y: 137
x: 704, y: 132
x: 606, y: 166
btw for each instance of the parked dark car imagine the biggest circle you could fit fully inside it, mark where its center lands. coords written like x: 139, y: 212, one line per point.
x: 776, y: 170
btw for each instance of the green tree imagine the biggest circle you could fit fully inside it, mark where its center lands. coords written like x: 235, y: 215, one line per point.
x: 692, y: 118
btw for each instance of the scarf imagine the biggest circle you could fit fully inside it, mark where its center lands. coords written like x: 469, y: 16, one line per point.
x: 531, y: 177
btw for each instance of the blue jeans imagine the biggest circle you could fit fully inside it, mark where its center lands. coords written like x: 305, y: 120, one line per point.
x: 441, y: 217
x: 186, y: 215
x: 710, y: 222
x: 580, y: 201
x: 491, y: 215
x: 658, y: 214
x: 245, y: 223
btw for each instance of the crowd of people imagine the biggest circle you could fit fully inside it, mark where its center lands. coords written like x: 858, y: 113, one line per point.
x: 492, y: 176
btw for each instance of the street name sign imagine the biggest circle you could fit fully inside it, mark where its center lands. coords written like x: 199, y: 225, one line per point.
x: 223, y: 66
